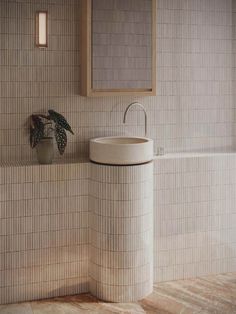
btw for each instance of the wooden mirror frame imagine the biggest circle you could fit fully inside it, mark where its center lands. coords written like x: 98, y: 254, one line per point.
x: 86, y: 57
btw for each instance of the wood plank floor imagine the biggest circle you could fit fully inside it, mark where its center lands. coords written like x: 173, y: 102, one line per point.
x: 211, y: 294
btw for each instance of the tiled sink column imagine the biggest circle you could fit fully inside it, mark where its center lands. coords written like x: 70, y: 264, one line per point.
x: 121, y: 232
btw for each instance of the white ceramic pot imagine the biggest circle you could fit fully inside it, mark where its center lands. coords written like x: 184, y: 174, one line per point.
x: 45, y: 150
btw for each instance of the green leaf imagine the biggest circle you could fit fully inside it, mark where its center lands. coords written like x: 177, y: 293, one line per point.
x: 36, y: 130
x: 60, y: 120
x: 61, y: 138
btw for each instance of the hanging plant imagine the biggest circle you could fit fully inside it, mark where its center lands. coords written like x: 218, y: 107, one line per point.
x: 47, y: 126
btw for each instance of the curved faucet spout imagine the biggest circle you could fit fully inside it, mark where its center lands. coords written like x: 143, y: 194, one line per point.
x: 144, y: 110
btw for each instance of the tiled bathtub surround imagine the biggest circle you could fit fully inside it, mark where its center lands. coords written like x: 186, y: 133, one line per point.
x: 44, y: 224
x: 195, y: 215
x: 194, y: 106
x: 121, y: 232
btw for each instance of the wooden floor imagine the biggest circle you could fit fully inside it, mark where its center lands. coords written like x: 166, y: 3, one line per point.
x: 211, y: 294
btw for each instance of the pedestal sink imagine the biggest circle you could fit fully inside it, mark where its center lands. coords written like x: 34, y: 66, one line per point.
x: 121, y: 150
x: 121, y: 218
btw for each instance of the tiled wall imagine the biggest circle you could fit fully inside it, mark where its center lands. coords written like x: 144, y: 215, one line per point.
x: 43, y: 231
x: 194, y: 216
x: 44, y: 224
x: 194, y: 106
x: 234, y: 63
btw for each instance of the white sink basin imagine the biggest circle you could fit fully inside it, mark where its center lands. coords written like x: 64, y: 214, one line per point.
x: 121, y: 150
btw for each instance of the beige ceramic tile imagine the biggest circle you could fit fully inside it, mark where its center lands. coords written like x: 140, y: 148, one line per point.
x: 193, y: 109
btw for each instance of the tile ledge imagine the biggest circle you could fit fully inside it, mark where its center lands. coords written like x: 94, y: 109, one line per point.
x: 26, y: 163
x: 196, y: 154
x: 82, y: 160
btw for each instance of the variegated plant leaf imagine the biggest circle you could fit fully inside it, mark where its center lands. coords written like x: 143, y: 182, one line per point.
x: 36, y: 130
x: 61, y: 138
x: 59, y: 120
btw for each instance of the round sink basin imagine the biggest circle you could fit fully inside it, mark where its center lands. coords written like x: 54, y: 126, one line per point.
x: 121, y: 150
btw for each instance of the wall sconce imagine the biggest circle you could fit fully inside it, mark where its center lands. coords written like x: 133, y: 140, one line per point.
x: 41, y: 30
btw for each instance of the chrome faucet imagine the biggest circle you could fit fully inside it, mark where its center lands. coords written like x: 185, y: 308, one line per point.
x: 144, y: 110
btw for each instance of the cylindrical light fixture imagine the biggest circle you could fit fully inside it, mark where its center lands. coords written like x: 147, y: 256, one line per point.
x: 41, y: 29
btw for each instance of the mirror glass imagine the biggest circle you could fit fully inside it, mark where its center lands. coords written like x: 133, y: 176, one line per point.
x: 121, y: 44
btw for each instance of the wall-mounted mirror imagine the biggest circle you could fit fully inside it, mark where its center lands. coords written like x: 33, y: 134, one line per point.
x: 118, y: 47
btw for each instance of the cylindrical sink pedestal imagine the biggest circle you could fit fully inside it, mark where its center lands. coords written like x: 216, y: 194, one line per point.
x: 121, y: 232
